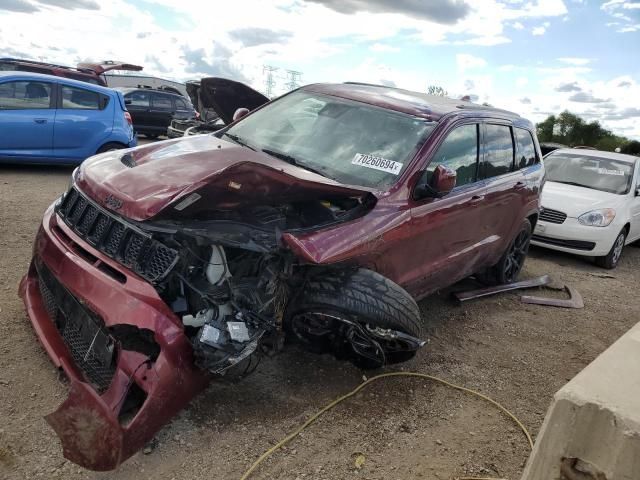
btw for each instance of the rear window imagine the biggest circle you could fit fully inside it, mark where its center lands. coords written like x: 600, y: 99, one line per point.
x: 80, y: 99
x: 526, y: 149
x: 181, y: 104
x: 499, y: 150
x: 24, y: 95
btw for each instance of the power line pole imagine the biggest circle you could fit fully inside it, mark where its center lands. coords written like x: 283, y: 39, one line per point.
x: 294, y: 79
x: 270, y: 81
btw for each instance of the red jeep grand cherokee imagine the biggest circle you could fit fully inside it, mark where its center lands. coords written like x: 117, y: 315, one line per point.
x: 323, y: 216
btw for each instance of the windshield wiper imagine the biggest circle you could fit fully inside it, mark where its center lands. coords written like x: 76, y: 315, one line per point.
x: 239, y: 140
x: 292, y: 160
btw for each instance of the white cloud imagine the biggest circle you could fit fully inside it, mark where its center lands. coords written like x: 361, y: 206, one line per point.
x: 468, y: 62
x: 575, y: 60
x: 381, y: 47
x: 537, y: 31
x: 517, y: 25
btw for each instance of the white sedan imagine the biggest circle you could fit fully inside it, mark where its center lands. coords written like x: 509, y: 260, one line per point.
x: 590, y: 204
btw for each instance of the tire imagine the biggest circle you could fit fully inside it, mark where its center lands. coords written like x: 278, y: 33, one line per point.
x: 107, y: 147
x: 361, y: 296
x: 611, y: 259
x: 510, y: 264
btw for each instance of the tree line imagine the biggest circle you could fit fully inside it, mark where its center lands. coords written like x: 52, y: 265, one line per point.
x: 569, y: 129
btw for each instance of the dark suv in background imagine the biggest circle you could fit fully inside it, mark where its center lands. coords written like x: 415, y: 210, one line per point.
x: 153, y: 110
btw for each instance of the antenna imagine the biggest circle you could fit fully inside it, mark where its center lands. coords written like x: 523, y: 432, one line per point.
x: 270, y: 81
x: 294, y: 79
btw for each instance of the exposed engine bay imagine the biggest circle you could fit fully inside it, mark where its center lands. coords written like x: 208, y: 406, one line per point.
x: 233, y: 282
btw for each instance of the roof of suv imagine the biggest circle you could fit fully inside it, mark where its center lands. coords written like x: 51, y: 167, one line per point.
x: 589, y: 152
x: 431, y: 107
x: 20, y: 75
x: 126, y: 90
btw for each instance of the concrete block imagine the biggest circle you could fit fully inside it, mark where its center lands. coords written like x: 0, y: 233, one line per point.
x: 594, y: 421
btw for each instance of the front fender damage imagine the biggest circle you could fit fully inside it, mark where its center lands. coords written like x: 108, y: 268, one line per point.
x: 90, y: 435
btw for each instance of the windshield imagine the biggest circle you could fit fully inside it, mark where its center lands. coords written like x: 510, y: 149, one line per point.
x: 350, y: 142
x: 597, y: 173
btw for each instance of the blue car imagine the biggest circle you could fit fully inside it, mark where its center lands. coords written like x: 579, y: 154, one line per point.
x: 54, y: 120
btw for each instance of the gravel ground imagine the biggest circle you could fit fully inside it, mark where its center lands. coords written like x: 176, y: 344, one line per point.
x: 405, y: 428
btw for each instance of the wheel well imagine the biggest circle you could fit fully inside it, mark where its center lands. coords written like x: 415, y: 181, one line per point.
x: 533, y: 219
x: 110, y: 144
x: 627, y: 228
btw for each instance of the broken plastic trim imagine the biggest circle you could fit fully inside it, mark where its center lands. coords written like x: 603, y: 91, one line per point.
x: 485, y: 292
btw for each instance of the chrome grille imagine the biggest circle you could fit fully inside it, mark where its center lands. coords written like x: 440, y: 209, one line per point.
x: 552, y: 216
x: 116, y: 238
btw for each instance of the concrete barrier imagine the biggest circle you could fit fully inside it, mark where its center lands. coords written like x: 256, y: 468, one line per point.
x: 592, y: 429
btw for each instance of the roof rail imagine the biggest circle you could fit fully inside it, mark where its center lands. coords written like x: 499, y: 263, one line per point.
x: 45, y: 64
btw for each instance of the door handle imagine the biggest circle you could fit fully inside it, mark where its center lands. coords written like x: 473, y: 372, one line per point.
x: 476, y: 199
x: 520, y: 186
x: 40, y: 120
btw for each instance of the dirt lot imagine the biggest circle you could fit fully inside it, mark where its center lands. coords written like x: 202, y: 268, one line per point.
x: 406, y: 428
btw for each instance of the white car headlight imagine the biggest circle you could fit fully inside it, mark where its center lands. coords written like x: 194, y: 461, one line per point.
x: 598, y: 218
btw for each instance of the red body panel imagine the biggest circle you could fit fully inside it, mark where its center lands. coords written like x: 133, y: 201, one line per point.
x: 227, y: 175
x: 86, y: 419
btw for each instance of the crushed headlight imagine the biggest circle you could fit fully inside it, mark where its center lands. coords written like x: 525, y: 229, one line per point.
x: 598, y: 218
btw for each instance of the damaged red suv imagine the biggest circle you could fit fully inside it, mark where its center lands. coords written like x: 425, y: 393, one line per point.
x: 320, y: 217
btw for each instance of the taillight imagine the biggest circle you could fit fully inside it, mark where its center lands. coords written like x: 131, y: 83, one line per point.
x: 127, y: 117
x: 197, y: 115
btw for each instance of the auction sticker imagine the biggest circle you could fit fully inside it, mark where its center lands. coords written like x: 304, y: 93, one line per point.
x: 377, y: 163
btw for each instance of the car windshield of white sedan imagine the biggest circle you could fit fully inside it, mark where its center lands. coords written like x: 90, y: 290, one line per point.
x: 350, y: 142
x: 598, y: 173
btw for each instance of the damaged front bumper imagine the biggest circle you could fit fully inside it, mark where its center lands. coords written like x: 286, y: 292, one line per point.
x: 123, y: 388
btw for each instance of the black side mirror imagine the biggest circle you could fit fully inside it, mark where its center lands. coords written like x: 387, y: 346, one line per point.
x: 442, y: 182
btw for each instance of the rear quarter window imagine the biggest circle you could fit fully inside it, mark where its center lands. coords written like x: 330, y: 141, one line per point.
x: 526, y: 156
x: 499, y: 152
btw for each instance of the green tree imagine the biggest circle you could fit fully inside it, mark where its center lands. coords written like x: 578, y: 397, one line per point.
x: 570, y: 129
x: 437, y: 90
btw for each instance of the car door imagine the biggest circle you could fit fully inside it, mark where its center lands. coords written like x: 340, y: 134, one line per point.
x: 84, y: 121
x: 139, y: 107
x: 507, y: 189
x: 448, y: 234
x: 161, y: 111
x: 27, y: 116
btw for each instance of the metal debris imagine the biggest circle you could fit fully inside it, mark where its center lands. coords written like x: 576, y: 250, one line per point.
x: 485, y: 292
x: 574, y: 301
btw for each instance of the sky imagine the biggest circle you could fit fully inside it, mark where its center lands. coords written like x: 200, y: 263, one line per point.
x: 533, y: 57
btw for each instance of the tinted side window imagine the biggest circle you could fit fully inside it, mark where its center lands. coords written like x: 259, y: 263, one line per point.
x: 79, y: 98
x: 181, y: 104
x: 24, y: 95
x: 499, y: 150
x: 459, y: 152
x: 526, y: 149
x: 161, y: 102
x: 139, y: 99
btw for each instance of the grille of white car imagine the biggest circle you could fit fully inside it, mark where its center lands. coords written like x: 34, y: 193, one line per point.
x: 552, y: 216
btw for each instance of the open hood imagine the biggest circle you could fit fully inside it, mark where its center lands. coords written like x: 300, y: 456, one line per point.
x: 105, y: 66
x: 158, y: 180
x: 226, y: 96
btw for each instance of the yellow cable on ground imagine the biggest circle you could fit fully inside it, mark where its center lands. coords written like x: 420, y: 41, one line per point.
x: 344, y: 397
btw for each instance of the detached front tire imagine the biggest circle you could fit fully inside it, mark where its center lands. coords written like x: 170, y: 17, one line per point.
x: 611, y: 259
x: 341, y: 311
